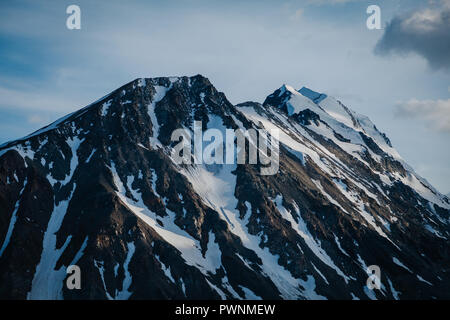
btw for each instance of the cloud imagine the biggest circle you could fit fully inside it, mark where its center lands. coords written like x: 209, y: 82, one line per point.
x: 320, y: 2
x: 297, y: 15
x: 435, y: 112
x: 34, y: 101
x: 38, y: 119
x: 425, y: 32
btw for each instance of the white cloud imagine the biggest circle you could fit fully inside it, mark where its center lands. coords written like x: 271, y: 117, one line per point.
x: 32, y: 100
x: 435, y: 112
x: 320, y: 2
x: 38, y: 119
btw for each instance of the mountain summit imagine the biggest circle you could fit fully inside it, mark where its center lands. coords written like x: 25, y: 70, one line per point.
x: 100, y: 189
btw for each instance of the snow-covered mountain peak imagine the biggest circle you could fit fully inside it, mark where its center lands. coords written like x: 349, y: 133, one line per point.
x: 324, y: 117
x: 99, y: 188
x: 287, y: 88
x: 313, y: 95
x: 337, y: 118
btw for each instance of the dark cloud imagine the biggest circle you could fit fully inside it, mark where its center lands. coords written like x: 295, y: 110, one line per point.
x: 425, y: 32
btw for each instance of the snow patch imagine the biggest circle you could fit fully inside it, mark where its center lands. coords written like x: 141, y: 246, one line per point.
x: 249, y: 294
x: 12, y: 221
x: 301, y: 228
x: 125, y: 294
x: 47, y: 281
x: 399, y: 263
x: 189, y: 247
x: 158, y: 96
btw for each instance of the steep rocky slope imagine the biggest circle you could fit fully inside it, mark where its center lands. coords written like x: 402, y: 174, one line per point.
x: 100, y: 188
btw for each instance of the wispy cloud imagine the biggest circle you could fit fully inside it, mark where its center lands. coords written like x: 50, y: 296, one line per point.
x: 435, y: 112
x: 297, y: 14
x: 321, y: 2
x: 33, y: 100
x: 425, y: 32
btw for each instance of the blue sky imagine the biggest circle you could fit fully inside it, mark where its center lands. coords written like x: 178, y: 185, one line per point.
x: 246, y: 48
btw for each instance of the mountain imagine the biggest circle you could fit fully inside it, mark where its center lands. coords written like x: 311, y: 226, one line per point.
x: 100, y: 189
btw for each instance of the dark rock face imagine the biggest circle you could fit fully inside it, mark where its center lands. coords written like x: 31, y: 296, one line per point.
x: 307, y: 117
x: 99, y: 189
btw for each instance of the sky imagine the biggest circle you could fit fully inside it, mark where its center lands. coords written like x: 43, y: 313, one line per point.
x: 398, y: 75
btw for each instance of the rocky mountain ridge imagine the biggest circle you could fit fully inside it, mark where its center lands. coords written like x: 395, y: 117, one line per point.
x: 99, y: 188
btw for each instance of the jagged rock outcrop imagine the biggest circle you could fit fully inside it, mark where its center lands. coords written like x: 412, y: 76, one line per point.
x: 100, y: 189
